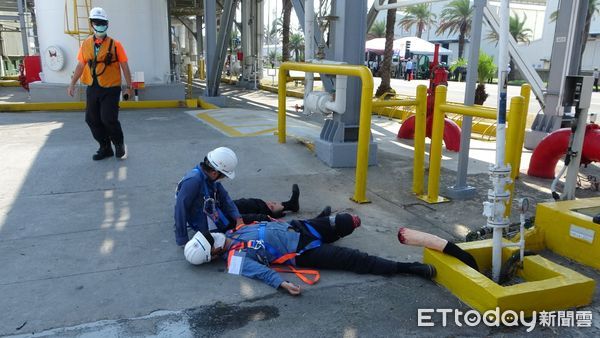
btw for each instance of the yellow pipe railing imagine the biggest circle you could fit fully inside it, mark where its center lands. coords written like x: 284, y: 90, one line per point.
x: 419, y: 139
x: 364, y: 129
x: 514, y: 139
x: 475, y: 111
x: 396, y: 103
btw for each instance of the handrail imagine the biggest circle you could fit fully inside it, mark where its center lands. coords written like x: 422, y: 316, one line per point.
x: 366, y: 106
x: 364, y: 129
x: 516, y: 117
x: 394, y: 103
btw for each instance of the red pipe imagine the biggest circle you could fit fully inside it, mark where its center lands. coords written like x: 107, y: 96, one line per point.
x: 554, y: 146
x: 451, y: 132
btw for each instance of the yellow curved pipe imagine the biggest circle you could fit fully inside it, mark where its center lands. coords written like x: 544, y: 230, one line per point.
x: 364, y: 129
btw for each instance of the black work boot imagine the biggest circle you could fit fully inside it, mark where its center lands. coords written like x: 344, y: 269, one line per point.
x: 121, y: 151
x: 424, y: 270
x: 103, y: 152
x: 326, y: 212
x: 293, y: 204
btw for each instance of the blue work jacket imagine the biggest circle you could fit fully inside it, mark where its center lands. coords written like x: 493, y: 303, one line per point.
x: 277, y: 237
x: 192, y: 190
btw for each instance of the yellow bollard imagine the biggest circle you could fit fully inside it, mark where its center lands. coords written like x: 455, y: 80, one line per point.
x: 514, y: 124
x: 201, y: 72
x: 526, y: 93
x: 419, y: 153
x: 435, y: 153
x: 190, y: 78
x: 281, y: 93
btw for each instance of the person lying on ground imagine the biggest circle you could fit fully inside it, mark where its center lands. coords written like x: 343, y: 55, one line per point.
x: 252, y: 249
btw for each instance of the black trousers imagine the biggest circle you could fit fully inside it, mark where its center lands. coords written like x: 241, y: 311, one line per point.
x: 252, y: 210
x: 328, y: 256
x: 102, y: 114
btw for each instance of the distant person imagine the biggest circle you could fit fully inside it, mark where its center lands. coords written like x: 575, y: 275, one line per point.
x: 101, y: 59
x: 596, y: 77
x: 409, y: 70
x: 403, y: 68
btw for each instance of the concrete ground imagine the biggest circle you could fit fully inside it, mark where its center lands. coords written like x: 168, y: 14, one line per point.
x: 87, y: 248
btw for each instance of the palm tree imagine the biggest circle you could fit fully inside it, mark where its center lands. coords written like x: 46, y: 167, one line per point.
x: 386, y: 72
x: 285, y: 30
x: 377, y: 30
x: 418, y: 15
x: 517, y: 30
x: 456, y: 18
x: 297, y: 45
x: 593, y: 8
x: 273, y: 31
x: 486, y: 69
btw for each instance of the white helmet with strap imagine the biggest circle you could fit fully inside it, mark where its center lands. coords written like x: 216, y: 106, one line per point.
x: 98, y: 14
x: 223, y: 160
x: 197, y: 250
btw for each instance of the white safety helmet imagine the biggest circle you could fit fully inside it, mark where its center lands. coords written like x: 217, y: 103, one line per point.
x: 197, y: 250
x: 223, y: 160
x: 98, y: 13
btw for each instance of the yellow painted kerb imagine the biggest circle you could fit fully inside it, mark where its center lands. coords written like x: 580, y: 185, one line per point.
x: 571, y: 233
x: 548, y: 286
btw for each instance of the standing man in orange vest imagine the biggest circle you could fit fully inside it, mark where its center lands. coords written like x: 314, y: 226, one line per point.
x: 101, y: 59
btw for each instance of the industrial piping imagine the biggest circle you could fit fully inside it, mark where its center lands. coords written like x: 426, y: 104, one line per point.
x: 554, y: 146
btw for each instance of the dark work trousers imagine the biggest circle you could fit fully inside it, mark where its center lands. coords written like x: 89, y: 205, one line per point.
x: 102, y: 114
x: 252, y: 210
x: 328, y: 256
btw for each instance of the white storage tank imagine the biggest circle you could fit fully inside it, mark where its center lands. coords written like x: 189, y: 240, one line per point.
x: 140, y: 25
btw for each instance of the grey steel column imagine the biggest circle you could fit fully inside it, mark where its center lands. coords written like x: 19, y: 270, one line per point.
x: 210, y: 16
x: 560, y: 53
x: 337, y: 143
x: 351, y: 41
x: 227, y: 18
x: 170, y: 35
x: 461, y: 190
x: 23, y: 28
x: 199, y: 36
x: 575, y: 66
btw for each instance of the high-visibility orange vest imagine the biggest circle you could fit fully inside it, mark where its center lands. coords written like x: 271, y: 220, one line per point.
x: 107, y: 67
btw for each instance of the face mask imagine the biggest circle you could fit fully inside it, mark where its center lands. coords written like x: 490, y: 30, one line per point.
x: 100, y: 30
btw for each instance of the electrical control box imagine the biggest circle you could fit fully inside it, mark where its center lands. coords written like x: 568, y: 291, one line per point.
x: 577, y: 91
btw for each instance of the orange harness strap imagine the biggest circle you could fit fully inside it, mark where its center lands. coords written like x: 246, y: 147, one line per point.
x: 300, y: 273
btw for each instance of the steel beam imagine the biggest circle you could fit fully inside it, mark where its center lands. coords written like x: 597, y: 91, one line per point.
x: 23, y: 28
x: 528, y: 72
x: 210, y: 17
x: 216, y: 64
x: 461, y: 190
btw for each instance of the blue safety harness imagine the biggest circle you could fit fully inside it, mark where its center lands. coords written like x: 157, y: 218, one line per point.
x: 279, y: 258
x: 209, y: 204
